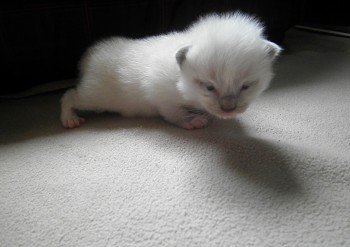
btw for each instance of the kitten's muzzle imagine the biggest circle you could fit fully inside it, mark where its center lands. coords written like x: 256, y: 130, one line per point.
x: 228, y: 103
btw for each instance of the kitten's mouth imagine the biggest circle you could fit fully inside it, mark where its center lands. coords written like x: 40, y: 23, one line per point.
x: 226, y: 115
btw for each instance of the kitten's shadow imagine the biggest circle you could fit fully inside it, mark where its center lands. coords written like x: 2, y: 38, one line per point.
x: 261, y: 162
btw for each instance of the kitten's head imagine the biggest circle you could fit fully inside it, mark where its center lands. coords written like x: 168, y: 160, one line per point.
x: 227, y: 65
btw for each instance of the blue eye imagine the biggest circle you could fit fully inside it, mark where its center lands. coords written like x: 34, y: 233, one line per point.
x: 210, y: 88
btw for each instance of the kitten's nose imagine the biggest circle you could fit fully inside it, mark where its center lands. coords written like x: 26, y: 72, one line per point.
x: 228, y: 103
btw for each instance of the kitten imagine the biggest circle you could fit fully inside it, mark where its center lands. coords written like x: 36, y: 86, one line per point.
x: 216, y: 67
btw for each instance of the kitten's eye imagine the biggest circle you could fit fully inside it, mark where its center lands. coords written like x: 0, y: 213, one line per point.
x: 210, y: 88
x: 245, y: 87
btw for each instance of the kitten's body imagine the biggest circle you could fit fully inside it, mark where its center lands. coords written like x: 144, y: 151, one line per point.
x: 169, y: 74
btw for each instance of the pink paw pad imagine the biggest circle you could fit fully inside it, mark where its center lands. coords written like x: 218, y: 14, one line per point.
x: 199, y: 122
x: 187, y: 126
x: 73, y: 122
x: 195, y: 123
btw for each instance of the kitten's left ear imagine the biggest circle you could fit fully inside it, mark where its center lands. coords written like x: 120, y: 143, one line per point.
x: 272, y: 49
x: 181, y: 55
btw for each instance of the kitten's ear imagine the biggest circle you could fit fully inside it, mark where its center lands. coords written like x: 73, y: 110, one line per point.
x: 181, y: 55
x: 272, y: 49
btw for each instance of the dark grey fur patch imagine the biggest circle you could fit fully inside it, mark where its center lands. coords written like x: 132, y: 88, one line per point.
x: 191, y: 112
x: 181, y: 55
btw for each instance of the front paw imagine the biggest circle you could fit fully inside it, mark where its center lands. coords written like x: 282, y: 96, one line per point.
x: 197, y: 122
x: 72, y: 122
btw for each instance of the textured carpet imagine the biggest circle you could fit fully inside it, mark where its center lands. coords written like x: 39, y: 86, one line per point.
x: 278, y: 175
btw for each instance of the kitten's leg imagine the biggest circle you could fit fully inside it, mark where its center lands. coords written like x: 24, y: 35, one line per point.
x: 182, y: 117
x: 69, y: 118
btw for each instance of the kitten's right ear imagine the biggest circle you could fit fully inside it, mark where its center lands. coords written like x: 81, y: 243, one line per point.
x: 272, y: 49
x: 181, y: 55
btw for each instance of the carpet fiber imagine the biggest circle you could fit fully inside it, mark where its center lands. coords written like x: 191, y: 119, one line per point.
x: 278, y: 175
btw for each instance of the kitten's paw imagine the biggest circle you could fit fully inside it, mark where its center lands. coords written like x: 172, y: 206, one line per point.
x: 73, y: 122
x: 195, y: 123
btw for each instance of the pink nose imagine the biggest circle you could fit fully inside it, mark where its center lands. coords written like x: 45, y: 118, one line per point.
x: 228, y: 103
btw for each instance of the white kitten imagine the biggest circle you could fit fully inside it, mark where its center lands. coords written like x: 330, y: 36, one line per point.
x: 216, y: 67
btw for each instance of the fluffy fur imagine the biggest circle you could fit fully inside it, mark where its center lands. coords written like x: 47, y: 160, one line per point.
x: 216, y: 67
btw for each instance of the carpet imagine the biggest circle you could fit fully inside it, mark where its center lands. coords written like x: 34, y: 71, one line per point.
x: 278, y: 175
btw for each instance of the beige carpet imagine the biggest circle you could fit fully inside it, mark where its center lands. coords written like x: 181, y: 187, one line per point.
x: 279, y: 175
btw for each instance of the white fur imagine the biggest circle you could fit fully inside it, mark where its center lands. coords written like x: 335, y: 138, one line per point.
x: 149, y: 77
